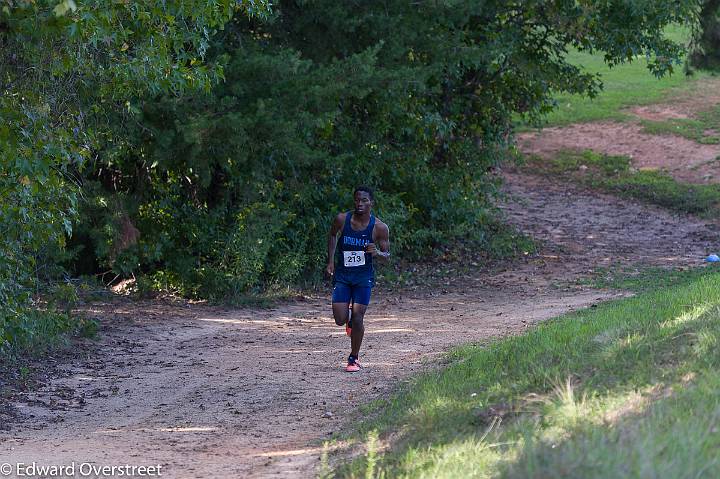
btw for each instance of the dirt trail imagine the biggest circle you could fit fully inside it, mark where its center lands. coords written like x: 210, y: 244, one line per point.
x: 685, y: 160
x: 702, y: 95
x: 587, y: 229
x: 209, y: 392
x: 682, y: 158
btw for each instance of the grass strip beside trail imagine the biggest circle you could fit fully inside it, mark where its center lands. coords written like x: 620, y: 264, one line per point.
x: 615, y: 175
x: 639, y: 279
x: 624, y: 389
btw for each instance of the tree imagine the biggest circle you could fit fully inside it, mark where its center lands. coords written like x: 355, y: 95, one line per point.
x: 69, y: 70
x: 705, y: 48
x: 415, y: 98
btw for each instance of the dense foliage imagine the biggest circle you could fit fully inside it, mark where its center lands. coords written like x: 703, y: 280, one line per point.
x: 68, y: 71
x: 235, y: 188
x: 206, y: 149
x: 705, y: 48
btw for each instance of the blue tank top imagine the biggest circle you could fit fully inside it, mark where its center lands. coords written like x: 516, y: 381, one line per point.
x: 350, y: 254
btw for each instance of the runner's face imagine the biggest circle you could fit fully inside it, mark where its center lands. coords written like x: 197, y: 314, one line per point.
x: 363, y: 203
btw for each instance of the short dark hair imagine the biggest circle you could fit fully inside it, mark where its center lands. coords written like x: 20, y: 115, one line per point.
x: 367, y: 190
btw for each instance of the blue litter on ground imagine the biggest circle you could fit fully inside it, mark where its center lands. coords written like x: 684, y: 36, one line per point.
x: 713, y: 258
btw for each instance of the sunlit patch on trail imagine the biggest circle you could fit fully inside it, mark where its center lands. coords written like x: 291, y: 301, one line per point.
x: 302, y: 451
x: 392, y: 330
x: 160, y: 429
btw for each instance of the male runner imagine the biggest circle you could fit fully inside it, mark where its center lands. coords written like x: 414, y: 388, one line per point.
x: 363, y: 239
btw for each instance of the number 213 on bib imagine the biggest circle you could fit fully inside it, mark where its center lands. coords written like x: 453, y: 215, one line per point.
x: 354, y: 258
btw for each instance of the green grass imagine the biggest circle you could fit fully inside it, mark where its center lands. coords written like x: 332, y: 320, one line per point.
x: 614, y: 174
x: 632, y: 278
x: 625, y: 389
x: 623, y: 86
x: 704, y: 129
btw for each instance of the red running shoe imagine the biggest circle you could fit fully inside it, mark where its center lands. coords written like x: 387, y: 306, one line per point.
x: 353, y: 365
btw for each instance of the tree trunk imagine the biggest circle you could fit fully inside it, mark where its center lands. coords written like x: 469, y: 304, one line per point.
x: 705, y: 53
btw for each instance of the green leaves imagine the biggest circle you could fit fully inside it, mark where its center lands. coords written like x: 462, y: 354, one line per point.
x: 72, y: 72
x: 63, y: 7
x: 415, y: 99
x: 173, y: 117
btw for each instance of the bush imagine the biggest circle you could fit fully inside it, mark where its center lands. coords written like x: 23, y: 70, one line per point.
x: 233, y: 129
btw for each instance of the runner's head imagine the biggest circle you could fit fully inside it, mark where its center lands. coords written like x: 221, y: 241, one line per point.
x: 363, y: 197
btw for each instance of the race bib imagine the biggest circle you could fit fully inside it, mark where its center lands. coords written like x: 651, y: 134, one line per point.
x: 354, y: 258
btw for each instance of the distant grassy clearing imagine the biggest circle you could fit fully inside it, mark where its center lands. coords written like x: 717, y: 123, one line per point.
x: 625, y: 85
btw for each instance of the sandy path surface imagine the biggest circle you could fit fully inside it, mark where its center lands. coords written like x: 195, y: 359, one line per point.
x: 211, y: 392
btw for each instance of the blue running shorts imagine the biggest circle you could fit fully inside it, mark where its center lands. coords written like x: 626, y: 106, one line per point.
x: 351, y: 293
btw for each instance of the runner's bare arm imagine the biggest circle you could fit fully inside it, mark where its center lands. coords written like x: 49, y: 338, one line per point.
x: 380, y: 247
x: 332, y: 242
